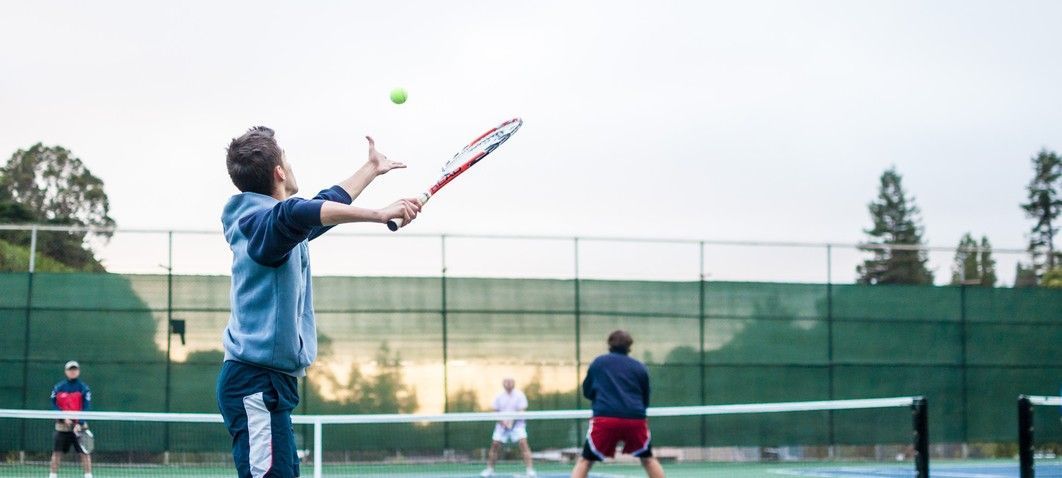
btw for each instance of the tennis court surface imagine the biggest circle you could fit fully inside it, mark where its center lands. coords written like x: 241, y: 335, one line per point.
x: 949, y: 469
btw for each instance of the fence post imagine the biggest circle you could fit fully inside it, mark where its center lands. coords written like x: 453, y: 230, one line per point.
x: 33, y: 249
x: 1026, y: 441
x: 920, y: 415
x: 169, y: 342
x: 577, y: 309
x: 26, y: 337
x: 703, y: 355
x: 831, y: 431
x: 445, y: 344
x: 318, y: 460
x: 964, y: 372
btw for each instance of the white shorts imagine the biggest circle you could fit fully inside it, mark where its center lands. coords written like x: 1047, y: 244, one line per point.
x: 512, y: 435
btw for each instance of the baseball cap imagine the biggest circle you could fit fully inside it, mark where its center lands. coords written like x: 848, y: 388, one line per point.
x: 71, y: 364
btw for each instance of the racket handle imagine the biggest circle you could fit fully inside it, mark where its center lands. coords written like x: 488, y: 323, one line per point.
x: 396, y: 223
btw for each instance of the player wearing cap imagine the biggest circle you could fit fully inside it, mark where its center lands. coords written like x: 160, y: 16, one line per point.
x: 618, y: 387
x: 509, y: 431
x: 70, y: 395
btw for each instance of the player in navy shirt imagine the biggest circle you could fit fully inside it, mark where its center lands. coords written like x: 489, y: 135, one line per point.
x: 70, y: 395
x: 618, y: 387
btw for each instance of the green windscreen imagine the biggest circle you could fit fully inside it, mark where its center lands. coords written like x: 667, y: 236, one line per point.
x: 430, y: 345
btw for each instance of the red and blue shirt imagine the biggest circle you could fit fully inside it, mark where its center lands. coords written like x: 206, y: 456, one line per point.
x: 71, y: 396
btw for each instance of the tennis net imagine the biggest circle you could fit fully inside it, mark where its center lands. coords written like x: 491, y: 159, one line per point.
x: 747, y: 440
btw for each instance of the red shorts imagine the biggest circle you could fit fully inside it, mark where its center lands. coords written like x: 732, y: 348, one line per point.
x: 606, y: 432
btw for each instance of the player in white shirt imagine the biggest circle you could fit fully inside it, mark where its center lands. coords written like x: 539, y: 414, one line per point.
x: 509, y: 431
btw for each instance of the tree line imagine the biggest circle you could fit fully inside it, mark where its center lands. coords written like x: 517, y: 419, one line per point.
x: 49, y: 185
x: 895, y: 240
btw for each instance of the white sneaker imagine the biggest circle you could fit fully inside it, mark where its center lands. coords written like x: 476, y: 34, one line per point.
x: 487, y: 472
x: 531, y: 473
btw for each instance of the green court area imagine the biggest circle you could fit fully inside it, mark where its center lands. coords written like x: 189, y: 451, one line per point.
x: 834, y: 469
x: 675, y: 470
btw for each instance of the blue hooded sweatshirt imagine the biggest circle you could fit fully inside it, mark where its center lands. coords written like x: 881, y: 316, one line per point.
x: 272, y: 323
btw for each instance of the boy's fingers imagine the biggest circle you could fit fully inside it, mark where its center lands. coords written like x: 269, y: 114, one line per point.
x: 372, y: 144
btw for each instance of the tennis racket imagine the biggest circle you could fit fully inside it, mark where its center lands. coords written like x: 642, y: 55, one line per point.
x: 478, y: 149
x: 86, y: 441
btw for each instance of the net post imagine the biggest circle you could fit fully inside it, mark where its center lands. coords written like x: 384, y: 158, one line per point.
x: 1025, y: 438
x: 920, y: 417
x: 318, y: 460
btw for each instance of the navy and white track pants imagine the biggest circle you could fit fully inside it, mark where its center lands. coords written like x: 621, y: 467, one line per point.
x: 257, y: 404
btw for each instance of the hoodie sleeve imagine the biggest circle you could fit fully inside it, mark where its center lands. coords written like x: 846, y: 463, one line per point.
x: 86, y: 397
x: 55, y: 391
x: 588, y: 383
x: 334, y: 194
x: 86, y: 400
x: 645, y: 386
x: 272, y: 233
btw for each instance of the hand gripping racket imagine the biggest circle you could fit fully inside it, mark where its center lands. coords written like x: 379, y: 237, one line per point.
x: 478, y: 149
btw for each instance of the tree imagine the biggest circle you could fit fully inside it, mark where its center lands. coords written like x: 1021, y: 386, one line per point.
x: 387, y: 391
x: 383, y: 391
x: 1044, y: 206
x: 1024, y: 276
x: 1053, y: 278
x: 988, y: 264
x: 49, y: 185
x: 463, y: 400
x: 896, y: 222
x: 974, y: 265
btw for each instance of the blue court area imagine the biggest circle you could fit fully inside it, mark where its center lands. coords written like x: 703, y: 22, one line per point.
x: 940, y: 470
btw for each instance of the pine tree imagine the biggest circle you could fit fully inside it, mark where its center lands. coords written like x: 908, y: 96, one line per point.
x: 965, y: 266
x: 974, y: 264
x: 896, y: 222
x: 1024, y: 276
x: 988, y: 264
x: 1044, y: 207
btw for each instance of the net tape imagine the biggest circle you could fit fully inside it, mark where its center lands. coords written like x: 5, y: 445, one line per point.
x: 1045, y: 400
x: 777, y: 407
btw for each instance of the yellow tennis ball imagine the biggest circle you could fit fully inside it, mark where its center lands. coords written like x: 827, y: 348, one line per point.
x: 398, y: 96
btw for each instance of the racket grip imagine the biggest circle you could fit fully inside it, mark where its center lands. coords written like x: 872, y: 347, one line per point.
x: 396, y: 223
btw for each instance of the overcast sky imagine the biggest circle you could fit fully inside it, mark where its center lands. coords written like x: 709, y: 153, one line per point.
x: 715, y: 120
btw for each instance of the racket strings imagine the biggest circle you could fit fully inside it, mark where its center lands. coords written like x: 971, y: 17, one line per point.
x: 482, y: 146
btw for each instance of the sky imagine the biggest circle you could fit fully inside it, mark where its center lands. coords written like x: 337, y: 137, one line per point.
x: 748, y: 120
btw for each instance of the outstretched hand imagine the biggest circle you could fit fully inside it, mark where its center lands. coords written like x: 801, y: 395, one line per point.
x: 380, y: 164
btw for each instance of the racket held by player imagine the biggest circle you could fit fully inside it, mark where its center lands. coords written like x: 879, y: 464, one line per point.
x: 86, y: 441
x: 478, y: 149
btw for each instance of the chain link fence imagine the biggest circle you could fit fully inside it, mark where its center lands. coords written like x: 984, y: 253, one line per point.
x: 432, y: 323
